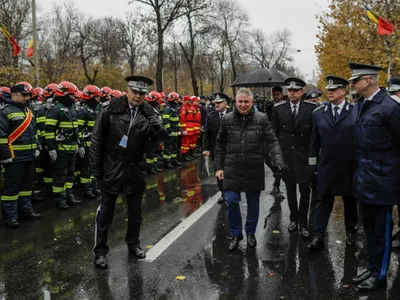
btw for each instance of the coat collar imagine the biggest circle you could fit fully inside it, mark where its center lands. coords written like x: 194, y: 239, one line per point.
x: 119, y: 105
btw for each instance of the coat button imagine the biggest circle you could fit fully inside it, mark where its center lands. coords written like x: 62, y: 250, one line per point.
x: 292, y: 134
x: 292, y: 147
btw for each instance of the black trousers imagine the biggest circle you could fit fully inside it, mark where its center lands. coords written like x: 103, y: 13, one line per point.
x: 277, y: 181
x: 298, y: 213
x: 324, y: 209
x: 85, y: 176
x: 63, y: 171
x: 105, y: 215
x: 220, y: 184
x: 378, y: 226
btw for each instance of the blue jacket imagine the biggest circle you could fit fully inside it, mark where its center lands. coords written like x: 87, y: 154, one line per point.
x: 377, y: 139
x: 12, y: 115
x: 332, y: 149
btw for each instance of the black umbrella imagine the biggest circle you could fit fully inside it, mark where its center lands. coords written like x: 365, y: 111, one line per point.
x: 260, y: 78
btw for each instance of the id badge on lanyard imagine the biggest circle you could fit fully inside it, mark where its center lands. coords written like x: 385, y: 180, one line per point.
x: 124, y: 141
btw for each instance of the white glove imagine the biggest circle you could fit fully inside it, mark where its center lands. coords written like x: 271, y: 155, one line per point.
x: 81, y: 152
x: 37, y: 153
x: 6, y: 161
x: 53, y: 155
x: 184, y: 132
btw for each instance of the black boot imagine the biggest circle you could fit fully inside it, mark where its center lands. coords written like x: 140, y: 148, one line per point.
x: 234, y: 244
x: 175, y: 162
x: 61, y: 200
x: 95, y: 187
x: 151, y: 169
x: 88, y: 193
x: 167, y: 164
x: 157, y: 169
x: 25, y: 209
x: 101, y: 262
x: 71, y: 198
x: 136, y: 251
x: 186, y: 157
x: 10, y: 213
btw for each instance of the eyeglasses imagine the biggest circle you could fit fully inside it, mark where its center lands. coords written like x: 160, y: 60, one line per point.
x: 359, y: 79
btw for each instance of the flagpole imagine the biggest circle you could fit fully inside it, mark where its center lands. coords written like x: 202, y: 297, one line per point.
x: 35, y: 46
x: 389, y: 58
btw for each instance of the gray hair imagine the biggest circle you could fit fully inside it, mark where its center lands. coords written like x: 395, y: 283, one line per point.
x: 244, y: 91
x: 375, y: 79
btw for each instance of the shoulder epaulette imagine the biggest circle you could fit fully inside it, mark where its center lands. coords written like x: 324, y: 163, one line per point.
x: 319, y: 107
x: 105, y: 104
x: 279, y: 104
x: 4, y: 106
x: 310, y: 102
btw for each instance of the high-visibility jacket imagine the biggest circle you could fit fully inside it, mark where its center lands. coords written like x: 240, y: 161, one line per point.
x: 12, y: 115
x: 86, y: 119
x: 196, y: 119
x: 186, y: 118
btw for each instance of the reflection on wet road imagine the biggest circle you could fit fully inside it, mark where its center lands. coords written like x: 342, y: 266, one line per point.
x: 52, y: 259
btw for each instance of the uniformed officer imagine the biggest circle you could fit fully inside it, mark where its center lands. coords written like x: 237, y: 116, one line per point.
x: 210, y: 132
x: 394, y: 88
x: 62, y: 143
x: 39, y: 112
x: 292, y: 122
x: 313, y: 97
x: 18, y: 149
x: 377, y: 178
x: 332, y: 156
x: 118, y: 144
x: 170, y: 116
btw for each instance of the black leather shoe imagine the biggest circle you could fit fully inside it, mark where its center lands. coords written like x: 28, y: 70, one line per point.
x: 97, y: 192
x: 235, y: 242
x: 137, y: 251
x: 88, y: 194
x: 101, y: 262
x: 12, y: 223
x: 371, y: 284
x: 74, y: 202
x: 251, y: 240
x: 292, y: 227
x: 275, y: 190
x: 316, y: 244
x: 176, y: 163
x: 351, y: 239
x: 32, y: 216
x: 221, y: 200
x: 304, y: 233
x: 361, y: 277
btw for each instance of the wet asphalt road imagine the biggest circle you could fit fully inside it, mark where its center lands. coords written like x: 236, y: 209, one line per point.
x: 52, y: 259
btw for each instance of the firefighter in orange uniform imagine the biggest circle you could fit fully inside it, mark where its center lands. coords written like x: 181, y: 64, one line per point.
x: 196, y: 126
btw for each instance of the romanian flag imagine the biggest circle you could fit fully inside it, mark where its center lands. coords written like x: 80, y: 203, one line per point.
x: 29, y: 51
x: 11, y: 39
x: 384, y: 27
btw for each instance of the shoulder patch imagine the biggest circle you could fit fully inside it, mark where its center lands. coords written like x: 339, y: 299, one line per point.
x: 310, y: 102
x: 395, y: 98
x: 279, y: 104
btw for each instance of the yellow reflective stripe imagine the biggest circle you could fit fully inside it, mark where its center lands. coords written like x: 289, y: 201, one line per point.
x: 47, y: 180
x: 190, y: 193
x: 16, y: 114
x: 49, y: 135
x: 166, y: 126
x: 149, y: 160
x: 85, y: 180
x: 24, y: 147
x: 69, y: 185
x: 166, y: 116
x: 81, y: 122
x: 182, y: 125
x: 176, y: 119
x: 25, y: 193
x: 87, y: 144
x: 90, y: 123
x: 39, y: 170
x: 3, y: 141
x: 67, y: 147
x: 57, y: 189
x: 166, y: 156
x: 9, y: 198
x: 51, y: 122
x: 174, y: 155
x: 41, y: 120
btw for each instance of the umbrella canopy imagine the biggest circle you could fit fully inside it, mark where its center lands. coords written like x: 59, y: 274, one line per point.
x: 260, y: 78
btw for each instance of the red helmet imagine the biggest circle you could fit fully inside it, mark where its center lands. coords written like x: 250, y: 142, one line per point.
x: 4, y: 89
x: 105, y: 91
x: 115, y: 94
x: 49, y: 90
x: 123, y: 94
x: 162, y: 95
x: 154, y: 96
x: 78, y: 95
x: 27, y: 85
x: 66, y: 88
x: 194, y: 99
x: 38, y: 93
x: 186, y: 98
x: 173, y: 96
x: 90, y: 91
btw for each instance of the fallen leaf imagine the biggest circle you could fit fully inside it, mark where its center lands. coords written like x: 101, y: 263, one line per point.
x: 271, y: 274
x: 338, y: 242
x: 276, y: 231
x: 149, y: 246
x: 346, y: 285
x: 180, y: 277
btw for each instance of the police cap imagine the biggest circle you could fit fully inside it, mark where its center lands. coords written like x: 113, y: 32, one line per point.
x: 359, y: 70
x: 19, y: 88
x: 394, y: 85
x: 139, y: 83
x: 219, y: 97
x: 312, y: 95
x: 293, y: 83
x: 335, y: 82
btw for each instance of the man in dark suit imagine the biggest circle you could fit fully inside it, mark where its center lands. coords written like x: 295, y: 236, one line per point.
x: 292, y: 122
x: 211, y: 129
x: 332, y: 157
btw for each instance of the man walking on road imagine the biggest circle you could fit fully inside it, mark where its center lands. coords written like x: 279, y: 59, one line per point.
x: 117, y: 160
x: 244, y: 139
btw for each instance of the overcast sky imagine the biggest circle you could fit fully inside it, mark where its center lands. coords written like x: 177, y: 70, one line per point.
x: 270, y: 15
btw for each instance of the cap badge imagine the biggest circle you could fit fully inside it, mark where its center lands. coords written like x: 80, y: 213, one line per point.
x: 330, y: 82
x: 292, y: 84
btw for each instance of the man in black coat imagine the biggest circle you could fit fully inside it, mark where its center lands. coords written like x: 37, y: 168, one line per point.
x: 292, y: 122
x: 210, y: 132
x: 244, y: 139
x: 117, y: 153
x: 332, y: 156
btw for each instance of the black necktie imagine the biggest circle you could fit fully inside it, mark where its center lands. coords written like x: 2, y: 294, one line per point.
x: 335, y: 113
x: 295, y: 112
x: 133, y: 110
x: 221, y: 115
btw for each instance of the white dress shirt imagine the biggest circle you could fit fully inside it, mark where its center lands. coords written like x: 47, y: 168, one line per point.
x: 341, y: 106
x: 372, y: 96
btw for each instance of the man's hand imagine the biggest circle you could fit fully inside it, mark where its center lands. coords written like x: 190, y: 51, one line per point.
x: 154, y: 122
x: 37, y: 153
x: 184, y: 132
x: 206, y: 153
x: 81, y: 152
x: 7, y: 161
x: 282, y: 169
x: 53, y: 155
x: 219, y: 174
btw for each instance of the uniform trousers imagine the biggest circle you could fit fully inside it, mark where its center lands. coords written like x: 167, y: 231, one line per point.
x: 323, y: 212
x: 105, y: 215
x: 378, y: 226
x: 277, y: 181
x: 298, y: 213
x: 233, y: 199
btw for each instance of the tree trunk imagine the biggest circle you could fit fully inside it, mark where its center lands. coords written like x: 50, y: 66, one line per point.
x: 221, y: 83
x: 160, y: 60
x: 176, y: 76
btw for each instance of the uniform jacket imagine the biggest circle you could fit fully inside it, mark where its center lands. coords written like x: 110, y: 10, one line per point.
x: 62, y: 128
x: 210, y: 132
x: 377, y: 140
x: 294, y: 139
x: 242, y: 144
x: 170, y: 116
x: 86, y: 120
x: 332, y: 149
x: 186, y: 118
x: 121, y: 170
x: 12, y: 115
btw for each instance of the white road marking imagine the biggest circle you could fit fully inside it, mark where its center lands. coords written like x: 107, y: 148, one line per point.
x: 171, y: 237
